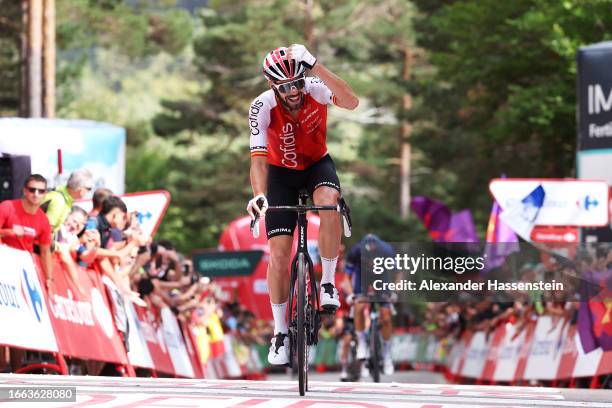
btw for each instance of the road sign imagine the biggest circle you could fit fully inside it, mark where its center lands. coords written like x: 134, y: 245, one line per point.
x: 567, y: 202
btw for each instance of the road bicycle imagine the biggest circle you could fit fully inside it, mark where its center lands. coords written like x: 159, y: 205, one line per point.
x: 375, y: 359
x: 304, y: 314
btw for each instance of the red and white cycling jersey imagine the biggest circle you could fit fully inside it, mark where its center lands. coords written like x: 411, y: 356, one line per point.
x: 287, y: 142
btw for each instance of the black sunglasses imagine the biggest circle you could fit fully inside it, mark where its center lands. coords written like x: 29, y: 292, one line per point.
x: 36, y: 190
x: 287, y: 86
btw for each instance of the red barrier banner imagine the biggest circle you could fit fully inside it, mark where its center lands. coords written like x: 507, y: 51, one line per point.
x: 496, y: 339
x: 82, y: 319
x: 605, y: 364
x: 569, y: 355
x: 192, y: 351
x: 461, y: 350
x: 525, y: 348
x: 475, y: 357
x: 154, y: 336
x: 546, y: 349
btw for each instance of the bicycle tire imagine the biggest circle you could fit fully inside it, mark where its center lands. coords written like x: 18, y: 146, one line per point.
x: 354, y: 369
x: 375, y: 353
x: 302, y: 348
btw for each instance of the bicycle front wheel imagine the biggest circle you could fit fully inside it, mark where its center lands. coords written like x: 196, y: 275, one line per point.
x: 302, y: 327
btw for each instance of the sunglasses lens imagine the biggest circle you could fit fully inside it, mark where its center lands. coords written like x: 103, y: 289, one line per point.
x: 286, y: 88
x: 34, y: 190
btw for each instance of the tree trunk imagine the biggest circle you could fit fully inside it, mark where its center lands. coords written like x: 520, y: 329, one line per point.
x: 35, y: 14
x: 49, y: 59
x: 23, y: 66
x: 309, y: 27
x: 405, y: 152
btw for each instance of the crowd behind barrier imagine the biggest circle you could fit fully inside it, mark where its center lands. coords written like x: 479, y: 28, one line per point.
x: 113, y: 302
x: 102, y: 297
x: 75, y: 330
x: 78, y: 327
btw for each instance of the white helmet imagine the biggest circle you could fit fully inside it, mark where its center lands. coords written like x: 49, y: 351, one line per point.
x: 277, y: 67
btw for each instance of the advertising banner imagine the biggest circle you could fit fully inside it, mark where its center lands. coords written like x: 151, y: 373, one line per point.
x: 23, y: 311
x: 594, y: 156
x: 82, y: 318
x: 586, y: 363
x: 476, y: 356
x: 595, y: 96
x: 569, y: 355
x: 508, y: 354
x: 495, y: 343
x: 154, y: 336
x: 176, y: 344
x: 567, y: 202
x: 138, y: 354
x: 546, y: 349
x: 98, y: 147
x: 192, y: 351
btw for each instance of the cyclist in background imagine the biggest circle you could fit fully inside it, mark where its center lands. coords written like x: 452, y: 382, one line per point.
x: 370, y: 246
x: 288, y: 124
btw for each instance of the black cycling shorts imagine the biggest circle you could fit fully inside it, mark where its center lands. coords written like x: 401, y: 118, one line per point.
x: 284, y: 186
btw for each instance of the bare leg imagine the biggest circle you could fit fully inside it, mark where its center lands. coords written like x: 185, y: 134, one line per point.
x: 329, y: 231
x: 386, y: 323
x: 278, y: 266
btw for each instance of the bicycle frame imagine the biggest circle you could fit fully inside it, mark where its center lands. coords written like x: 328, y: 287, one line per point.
x: 307, y: 317
x: 302, y: 248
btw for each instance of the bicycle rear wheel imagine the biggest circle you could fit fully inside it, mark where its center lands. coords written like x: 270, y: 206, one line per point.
x: 302, y: 326
x: 375, y: 352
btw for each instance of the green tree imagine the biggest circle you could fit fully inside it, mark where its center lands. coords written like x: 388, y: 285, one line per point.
x: 82, y: 26
x: 228, y: 56
x: 503, y: 97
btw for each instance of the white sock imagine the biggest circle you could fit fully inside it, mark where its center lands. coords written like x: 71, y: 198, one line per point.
x: 360, y: 337
x: 279, y: 311
x: 386, y: 348
x: 329, y: 269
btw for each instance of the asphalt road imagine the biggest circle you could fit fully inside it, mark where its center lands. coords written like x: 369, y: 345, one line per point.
x: 159, y: 392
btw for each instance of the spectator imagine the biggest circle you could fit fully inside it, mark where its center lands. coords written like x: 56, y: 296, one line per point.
x: 57, y: 203
x: 98, y: 198
x: 22, y: 223
x: 108, y: 224
x: 72, y: 226
x: 111, y: 217
x: 67, y: 241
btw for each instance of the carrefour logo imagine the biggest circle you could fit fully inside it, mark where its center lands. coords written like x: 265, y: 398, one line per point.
x: 588, y: 203
x: 8, y: 296
x: 31, y: 295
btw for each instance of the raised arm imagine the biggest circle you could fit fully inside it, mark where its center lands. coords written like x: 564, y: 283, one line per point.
x: 345, y: 98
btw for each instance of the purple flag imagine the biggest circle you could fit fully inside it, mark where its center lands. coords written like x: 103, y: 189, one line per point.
x: 501, y: 240
x: 585, y: 328
x: 435, y: 216
x: 462, y: 228
x: 595, y: 313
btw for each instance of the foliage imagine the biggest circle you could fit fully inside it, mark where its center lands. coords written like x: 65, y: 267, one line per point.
x: 503, y: 97
x: 81, y: 27
x: 492, y: 86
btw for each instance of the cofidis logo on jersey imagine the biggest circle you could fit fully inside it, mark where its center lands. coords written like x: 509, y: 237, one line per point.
x: 31, y: 294
x: 288, y: 146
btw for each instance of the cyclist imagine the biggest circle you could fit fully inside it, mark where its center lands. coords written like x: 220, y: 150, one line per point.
x: 370, y: 246
x: 288, y: 126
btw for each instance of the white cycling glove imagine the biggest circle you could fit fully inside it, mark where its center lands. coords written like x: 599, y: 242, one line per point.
x: 257, y: 205
x: 301, y: 54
